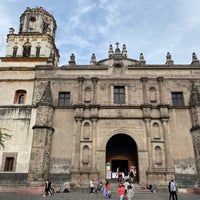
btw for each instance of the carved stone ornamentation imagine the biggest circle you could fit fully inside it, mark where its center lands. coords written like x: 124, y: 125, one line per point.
x: 146, y: 112
x: 72, y: 60
x: 79, y: 112
x: 164, y: 112
x: 142, y: 60
x: 194, y: 59
x: 169, y: 60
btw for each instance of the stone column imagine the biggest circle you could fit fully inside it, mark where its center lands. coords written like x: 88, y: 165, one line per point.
x: 144, y: 89
x: 160, y: 84
x: 76, y: 141
x: 148, y: 133
x: 76, y: 137
x: 80, y: 89
x: 94, y: 142
x: 94, y: 81
x: 168, y: 163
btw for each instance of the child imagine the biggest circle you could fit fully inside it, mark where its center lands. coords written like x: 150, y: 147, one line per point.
x: 106, y: 190
x: 121, y: 191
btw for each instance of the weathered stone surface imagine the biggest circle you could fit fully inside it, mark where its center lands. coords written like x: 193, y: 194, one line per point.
x: 13, y: 179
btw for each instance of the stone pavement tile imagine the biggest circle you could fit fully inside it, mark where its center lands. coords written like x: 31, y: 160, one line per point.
x: 88, y: 196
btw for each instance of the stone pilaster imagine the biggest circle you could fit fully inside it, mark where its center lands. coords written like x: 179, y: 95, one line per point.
x: 168, y: 160
x: 79, y: 115
x: 94, y: 117
x: 144, y: 89
x: 94, y: 142
x: 160, y: 85
x: 164, y: 116
x: 94, y: 81
x: 149, y: 146
x: 147, y: 119
x: 80, y: 89
x: 76, y: 147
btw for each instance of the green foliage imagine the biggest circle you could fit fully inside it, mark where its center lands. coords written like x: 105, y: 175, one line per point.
x: 3, y: 137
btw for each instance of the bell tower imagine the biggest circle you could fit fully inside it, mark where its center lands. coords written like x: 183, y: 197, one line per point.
x: 35, y: 41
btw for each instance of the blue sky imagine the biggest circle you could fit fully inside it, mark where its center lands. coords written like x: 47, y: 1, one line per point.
x: 152, y: 27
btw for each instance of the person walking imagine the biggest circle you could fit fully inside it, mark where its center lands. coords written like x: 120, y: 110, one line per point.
x: 173, y: 190
x: 46, y: 184
x: 50, y: 189
x: 130, y: 192
x: 169, y: 188
x: 91, y: 186
x: 126, y: 184
x: 121, y: 191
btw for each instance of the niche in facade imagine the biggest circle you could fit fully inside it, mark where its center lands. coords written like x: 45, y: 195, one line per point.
x: 158, y: 155
x: 86, y: 131
x: 152, y: 95
x: 156, y: 131
x: 85, y: 157
x: 87, y: 95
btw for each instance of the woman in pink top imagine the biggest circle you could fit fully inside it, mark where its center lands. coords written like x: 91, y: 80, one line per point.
x: 121, y: 191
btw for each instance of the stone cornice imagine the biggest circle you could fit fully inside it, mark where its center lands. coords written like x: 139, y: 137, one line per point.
x: 17, y: 68
x: 22, y: 59
x: 43, y: 127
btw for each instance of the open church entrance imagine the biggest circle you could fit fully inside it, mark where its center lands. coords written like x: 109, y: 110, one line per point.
x: 121, y: 152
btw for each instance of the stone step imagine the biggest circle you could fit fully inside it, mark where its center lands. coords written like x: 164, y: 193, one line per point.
x: 139, y: 189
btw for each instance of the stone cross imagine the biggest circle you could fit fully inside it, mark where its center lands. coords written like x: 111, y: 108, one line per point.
x: 117, y: 44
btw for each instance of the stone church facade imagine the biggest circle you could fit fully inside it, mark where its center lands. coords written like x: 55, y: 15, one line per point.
x: 77, y: 122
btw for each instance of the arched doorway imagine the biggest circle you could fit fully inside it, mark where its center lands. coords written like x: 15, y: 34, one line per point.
x: 121, y: 152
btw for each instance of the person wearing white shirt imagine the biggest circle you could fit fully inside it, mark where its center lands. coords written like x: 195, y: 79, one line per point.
x: 91, y: 186
x: 173, y: 190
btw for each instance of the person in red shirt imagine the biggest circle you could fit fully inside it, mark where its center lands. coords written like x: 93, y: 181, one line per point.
x: 121, y: 191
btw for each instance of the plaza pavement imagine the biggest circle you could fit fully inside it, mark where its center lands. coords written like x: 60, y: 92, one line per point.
x: 88, y: 196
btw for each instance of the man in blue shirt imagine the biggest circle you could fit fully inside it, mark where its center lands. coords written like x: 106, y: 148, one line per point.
x: 173, y: 190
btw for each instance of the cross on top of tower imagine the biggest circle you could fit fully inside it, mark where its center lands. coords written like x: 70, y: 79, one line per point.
x: 117, y: 44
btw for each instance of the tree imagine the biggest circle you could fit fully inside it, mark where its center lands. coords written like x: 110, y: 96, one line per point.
x: 3, y: 137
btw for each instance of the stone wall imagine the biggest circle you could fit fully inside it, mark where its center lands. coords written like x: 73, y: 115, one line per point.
x: 13, y: 179
x: 185, y: 173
